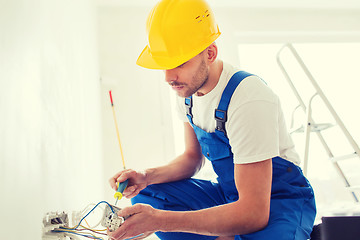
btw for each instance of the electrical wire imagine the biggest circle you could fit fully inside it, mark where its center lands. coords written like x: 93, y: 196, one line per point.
x: 87, y: 223
x: 95, y: 230
x: 79, y: 234
x: 99, y: 231
x: 93, y: 210
x: 86, y: 209
x: 75, y: 230
x: 91, y: 235
x: 134, y: 237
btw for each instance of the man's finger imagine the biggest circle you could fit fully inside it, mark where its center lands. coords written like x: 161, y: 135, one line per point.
x: 117, y: 234
x: 134, y: 193
x: 112, y: 183
x: 128, y: 211
x: 126, y: 174
x: 129, y: 191
x: 112, y: 180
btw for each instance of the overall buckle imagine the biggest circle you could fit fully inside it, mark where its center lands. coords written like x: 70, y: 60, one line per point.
x: 188, y: 105
x: 221, y: 118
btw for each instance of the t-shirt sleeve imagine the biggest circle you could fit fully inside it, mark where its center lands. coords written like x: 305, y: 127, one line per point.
x: 253, y: 128
x: 180, y: 109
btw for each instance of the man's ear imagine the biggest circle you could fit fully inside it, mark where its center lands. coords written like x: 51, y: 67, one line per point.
x: 212, y: 52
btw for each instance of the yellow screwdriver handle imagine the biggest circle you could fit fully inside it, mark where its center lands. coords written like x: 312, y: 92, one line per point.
x: 121, y: 187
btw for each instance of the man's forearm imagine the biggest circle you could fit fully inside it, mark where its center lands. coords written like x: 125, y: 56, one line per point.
x: 225, y: 220
x: 248, y: 214
x: 184, y: 166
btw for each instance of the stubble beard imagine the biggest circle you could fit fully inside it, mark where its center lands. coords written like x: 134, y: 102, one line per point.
x: 198, y: 81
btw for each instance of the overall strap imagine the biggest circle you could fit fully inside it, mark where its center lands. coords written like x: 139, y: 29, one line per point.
x: 188, y: 105
x: 221, y: 111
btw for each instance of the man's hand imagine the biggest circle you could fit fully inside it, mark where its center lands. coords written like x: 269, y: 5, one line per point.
x: 137, y: 182
x: 143, y: 221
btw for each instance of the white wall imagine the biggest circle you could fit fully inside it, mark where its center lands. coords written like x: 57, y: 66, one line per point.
x: 141, y: 97
x: 50, y: 124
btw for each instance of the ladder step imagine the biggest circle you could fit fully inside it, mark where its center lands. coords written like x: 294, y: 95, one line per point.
x: 297, y: 130
x: 315, y: 127
x: 344, y: 157
x: 353, y: 188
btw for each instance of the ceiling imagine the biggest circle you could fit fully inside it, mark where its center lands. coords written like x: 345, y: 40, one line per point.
x: 314, y: 4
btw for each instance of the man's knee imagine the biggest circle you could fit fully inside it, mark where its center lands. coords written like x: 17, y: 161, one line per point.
x: 154, y: 196
x: 142, y: 198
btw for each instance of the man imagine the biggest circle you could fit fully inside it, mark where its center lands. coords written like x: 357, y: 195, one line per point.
x: 233, y: 119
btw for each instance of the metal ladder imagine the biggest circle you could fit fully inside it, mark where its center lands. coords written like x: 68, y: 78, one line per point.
x: 312, y: 126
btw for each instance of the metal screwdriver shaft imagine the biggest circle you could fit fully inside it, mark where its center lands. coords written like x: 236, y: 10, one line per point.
x: 117, y: 130
x: 121, y: 186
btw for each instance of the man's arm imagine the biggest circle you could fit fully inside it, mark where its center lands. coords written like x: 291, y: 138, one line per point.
x: 182, y: 167
x: 250, y: 213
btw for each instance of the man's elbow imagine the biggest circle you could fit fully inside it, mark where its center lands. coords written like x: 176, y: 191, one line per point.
x: 263, y: 222
x: 256, y: 222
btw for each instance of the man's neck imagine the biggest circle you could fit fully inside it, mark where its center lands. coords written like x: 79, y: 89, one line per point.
x: 214, y: 75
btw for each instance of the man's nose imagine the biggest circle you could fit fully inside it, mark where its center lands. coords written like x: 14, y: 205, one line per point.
x: 170, y: 75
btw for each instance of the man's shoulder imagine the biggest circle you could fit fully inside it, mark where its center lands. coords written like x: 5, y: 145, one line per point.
x: 253, y: 88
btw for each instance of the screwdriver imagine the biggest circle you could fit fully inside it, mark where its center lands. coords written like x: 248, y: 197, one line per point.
x: 121, y: 186
x: 119, y: 192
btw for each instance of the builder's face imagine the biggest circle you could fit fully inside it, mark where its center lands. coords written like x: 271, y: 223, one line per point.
x: 189, y: 77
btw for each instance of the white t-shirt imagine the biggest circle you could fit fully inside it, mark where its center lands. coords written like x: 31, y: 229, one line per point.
x: 255, y: 127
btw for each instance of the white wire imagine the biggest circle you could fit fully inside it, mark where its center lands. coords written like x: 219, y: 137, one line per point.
x: 85, y: 211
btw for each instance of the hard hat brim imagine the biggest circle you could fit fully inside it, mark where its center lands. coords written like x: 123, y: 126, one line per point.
x: 147, y: 60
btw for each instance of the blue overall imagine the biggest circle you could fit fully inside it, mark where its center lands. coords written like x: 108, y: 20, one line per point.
x: 292, y: 204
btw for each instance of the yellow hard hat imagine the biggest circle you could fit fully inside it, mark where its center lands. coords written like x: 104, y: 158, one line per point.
x: 177, y: 30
